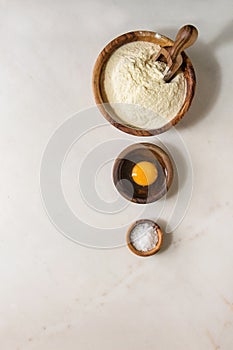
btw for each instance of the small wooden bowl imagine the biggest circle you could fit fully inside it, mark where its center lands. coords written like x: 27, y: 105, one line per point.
x: 122, y: 170
x: 98, y: 78
x: 149, y: 252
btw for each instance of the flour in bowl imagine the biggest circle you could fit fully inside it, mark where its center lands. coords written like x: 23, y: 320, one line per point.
x: 134, y: 86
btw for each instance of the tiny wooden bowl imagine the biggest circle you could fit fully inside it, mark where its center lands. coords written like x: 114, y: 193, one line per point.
x: 123, y: 166
x: 98, y: 79
x: 149, y: 252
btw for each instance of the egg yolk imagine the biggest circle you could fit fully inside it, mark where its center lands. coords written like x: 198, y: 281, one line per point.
x: 144, y: 173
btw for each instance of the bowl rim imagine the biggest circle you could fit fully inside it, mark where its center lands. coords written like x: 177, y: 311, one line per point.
x: 113, y: 45
x: 148, y: 252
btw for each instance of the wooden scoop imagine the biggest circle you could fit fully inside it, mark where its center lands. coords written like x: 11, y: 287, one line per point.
x: 186, y: 36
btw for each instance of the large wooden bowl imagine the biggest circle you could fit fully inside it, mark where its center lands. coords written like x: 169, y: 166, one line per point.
x: 98, y: 78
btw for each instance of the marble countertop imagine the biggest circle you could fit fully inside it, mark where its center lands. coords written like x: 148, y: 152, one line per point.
x: 56, y: 294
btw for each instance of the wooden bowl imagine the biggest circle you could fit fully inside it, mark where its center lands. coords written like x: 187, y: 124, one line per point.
x: 122, y: 170
x: 98, y: 78
x: 149, y: 252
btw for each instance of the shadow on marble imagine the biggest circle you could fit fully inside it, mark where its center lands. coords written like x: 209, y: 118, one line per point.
x: 179, y: 168
x: 208, y: 72
x: 167, y: 237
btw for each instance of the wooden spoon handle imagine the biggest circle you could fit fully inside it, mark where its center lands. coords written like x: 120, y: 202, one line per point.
x: 186, y: 36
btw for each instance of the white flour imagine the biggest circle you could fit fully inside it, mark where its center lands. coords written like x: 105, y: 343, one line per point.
x: 135, y: 83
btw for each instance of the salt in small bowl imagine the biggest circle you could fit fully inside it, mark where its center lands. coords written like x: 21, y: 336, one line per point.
x: 148, y: 252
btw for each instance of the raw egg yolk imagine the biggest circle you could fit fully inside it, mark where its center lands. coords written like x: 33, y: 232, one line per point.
x: 144, y: 173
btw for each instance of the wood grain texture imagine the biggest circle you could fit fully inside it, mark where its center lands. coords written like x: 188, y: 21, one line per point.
x: 152, y: 251
x: 98, y: 75
x: 122, y: 170
x: 186, y: 36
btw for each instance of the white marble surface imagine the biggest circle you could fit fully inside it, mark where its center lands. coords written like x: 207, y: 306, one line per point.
x: 56, y: 294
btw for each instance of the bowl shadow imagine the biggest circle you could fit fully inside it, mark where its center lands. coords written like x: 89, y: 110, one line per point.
x: 208, y: 73
x: 179, y: 169
x: 167, y: 237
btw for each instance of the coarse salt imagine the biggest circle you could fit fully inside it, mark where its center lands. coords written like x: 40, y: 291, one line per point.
x: 144, y: 236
